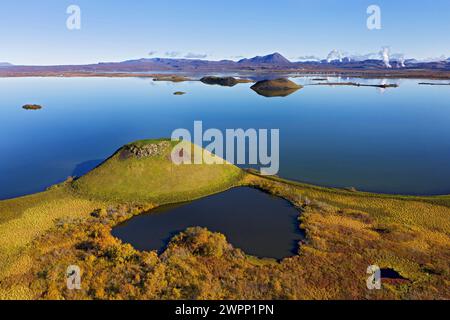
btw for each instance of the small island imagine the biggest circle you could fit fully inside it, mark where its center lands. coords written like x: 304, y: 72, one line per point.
x: 224, y: 81
x: 275, y: 88
x: 179, y: 93
x: 32, y: 107
x: 172, y: 78
x: 355, y: 84
x: 434, y: 84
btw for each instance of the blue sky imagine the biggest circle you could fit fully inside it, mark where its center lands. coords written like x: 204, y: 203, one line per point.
x: 34, y: 32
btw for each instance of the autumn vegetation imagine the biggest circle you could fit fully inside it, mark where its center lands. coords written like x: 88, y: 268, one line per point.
x: 41, y: 234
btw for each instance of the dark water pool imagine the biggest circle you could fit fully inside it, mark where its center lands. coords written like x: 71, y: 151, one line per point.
x: 256, y: 222
x: 388, y: 273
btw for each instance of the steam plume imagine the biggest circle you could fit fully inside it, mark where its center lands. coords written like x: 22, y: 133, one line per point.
x: 334, y: 55
x: 385, y: 56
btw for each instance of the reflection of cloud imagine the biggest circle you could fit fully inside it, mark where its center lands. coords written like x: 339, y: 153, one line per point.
x: 172, y: 54
x: 382, y: 83
x: 191, y: 55
x: 152, y: 53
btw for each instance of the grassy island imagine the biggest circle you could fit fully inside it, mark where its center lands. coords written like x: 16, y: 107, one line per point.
x: 70, y: 223
x: 275, y: 88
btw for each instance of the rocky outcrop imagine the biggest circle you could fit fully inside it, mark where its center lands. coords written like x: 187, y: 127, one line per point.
x: 146, y: 150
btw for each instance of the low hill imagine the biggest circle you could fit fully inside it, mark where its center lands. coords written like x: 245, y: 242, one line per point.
x: 143, y: 171
x: 275, y: 88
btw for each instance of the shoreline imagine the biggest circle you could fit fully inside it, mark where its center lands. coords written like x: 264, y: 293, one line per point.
x: 365, y: 74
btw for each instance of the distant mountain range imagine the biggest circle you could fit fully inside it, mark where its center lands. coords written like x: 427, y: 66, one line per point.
x: 271, y: 62
x: 271, y: 59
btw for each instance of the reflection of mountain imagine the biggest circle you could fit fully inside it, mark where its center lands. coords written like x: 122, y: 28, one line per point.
x: 275, y: 93
x: 275, y: 88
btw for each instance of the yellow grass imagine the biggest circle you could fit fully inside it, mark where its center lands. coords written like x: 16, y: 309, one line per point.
x: 33, y: 216
x: 346, y: 232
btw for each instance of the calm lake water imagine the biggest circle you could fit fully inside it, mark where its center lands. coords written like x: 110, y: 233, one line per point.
x: 396, y: 141
x: 256, y: 222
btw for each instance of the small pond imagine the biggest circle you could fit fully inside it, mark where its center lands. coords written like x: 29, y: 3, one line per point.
x: 258, y: 223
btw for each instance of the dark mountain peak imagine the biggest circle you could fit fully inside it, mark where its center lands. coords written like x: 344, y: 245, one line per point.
x: 274, y: 58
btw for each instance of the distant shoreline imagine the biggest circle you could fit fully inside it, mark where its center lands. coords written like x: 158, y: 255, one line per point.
x: 369, y: 74
x: 274, y: 64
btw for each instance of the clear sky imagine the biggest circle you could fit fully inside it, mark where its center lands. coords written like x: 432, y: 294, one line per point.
x: 35, y: 33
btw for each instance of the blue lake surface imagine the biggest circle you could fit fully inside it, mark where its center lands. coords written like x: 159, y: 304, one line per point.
x: 396, y: 141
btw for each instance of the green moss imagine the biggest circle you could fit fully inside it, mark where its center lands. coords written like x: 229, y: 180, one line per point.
x: 156, y: 179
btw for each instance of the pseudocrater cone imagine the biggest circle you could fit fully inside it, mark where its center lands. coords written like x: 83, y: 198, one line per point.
x: 144, y: 171
x: 275, y: 88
